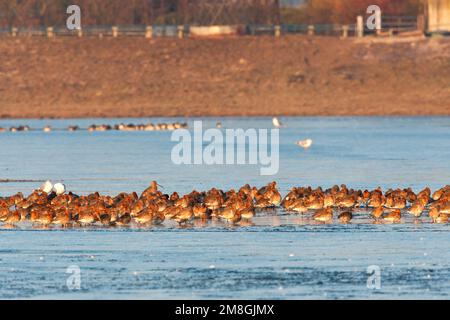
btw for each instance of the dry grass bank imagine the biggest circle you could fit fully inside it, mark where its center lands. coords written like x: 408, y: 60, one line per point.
x: 293, y: 75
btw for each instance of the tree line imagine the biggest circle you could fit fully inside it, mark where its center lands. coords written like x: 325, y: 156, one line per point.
x: 201, y: 12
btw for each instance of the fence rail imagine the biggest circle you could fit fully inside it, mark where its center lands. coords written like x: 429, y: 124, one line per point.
x: 389, y: 23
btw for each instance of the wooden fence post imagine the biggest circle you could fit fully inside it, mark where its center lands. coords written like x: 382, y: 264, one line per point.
x: 115, y: 32
x: 360, y: 26
x: 421, y: 22
x: 149, y: 32
x: 180, y: 32
x: 378, y: 20
x: 50, y: 33
x: 277, y: 31
x: 345, y: 31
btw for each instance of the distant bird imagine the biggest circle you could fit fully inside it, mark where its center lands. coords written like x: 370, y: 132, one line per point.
x: 219, y: 125
x: 276, y: 123
x: 47, y: 129
x: 59, y: 188
x: 305, y: 144
x: 47, y: 187
x: 73, y: 128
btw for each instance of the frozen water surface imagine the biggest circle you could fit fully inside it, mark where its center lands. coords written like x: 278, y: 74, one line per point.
x: 275, y: 256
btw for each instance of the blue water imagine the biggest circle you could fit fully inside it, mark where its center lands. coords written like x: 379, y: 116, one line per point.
x: 276, y: 256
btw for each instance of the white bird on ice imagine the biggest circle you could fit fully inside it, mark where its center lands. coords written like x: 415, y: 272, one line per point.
x: 305, y: 144
x: 276, y: 122
x: 47, y: 187
x: 59, y: 188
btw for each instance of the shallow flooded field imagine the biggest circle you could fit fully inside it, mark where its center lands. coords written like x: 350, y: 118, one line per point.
x: 275, y: 255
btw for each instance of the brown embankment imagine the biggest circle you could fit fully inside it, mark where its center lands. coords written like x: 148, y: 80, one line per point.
x: 292, y: 75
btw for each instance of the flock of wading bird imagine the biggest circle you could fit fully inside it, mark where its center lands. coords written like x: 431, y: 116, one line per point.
x: 307, y: 143
x: 51, y: 205
x: 107, y: 127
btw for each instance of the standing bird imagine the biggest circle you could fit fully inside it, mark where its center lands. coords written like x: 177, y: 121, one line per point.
x: 323, y: 215
x: 345, y: 217
x: 4, y: 213
x: 276, y: 123
x: 441, y: 218
x: 62, y: 217
x: 59, y: 188
x: 184, y: 215
x: 377, y: 213
x: 13, y: 218
x: 299, y: 206
x: 73, y: 128
x: 145, y: 216
x: 247, y: 213
x: 416, y: 209
x: 433, y: 213
x: 123, y: 220
x: 151, y: 190
x: 393, y: 216
x: 305, y: 144
x: 47, y: 187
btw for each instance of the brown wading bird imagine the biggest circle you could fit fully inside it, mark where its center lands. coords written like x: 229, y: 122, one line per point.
x: 41, y: 214
x: 145, y: 216
x: 433, y: 213
x: 323, y: 215
x: 247, y: 213
x: 62, y: 217
x: 347, y: 201
x: 267, y: 196
x: 52, y: 205
x: 376, y: 199
x: 417, y: 208
x: 315, y: 203
x: 73, y: 128
x: 377, y: 213
x: 225, y: 213
x: 345, y: 217
x: 105, y: 219
x: 442, y: 194
x: 12, y: 218
x: 393, y: 216
x: 122, y: 220
x: 184, y: 215
x: 86, y: 217
x: 299, y: 206
x: 200, y: 211
x: 442, y: 218
x: 4, y: 213
x: 230, y: 215
x: 445, y: 208
x: 213, y: 199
